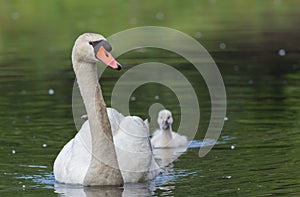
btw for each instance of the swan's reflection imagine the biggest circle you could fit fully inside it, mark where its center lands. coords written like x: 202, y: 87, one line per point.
x: 163, y: 156
x: 127, y: 190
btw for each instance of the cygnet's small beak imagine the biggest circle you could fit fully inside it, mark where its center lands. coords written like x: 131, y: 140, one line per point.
x: 165, y: 125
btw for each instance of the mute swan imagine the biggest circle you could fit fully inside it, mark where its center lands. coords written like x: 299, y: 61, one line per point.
x: 95, y: 156
x: 165, y: 137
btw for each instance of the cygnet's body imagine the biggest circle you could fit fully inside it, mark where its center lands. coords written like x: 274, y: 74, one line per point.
x: 165, y: 137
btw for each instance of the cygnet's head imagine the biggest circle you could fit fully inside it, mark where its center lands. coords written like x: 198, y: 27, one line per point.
x: 165, y: 119
x: 92, y: 48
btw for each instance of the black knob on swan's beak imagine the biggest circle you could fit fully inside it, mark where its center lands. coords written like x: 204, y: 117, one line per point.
x: 119, y: 66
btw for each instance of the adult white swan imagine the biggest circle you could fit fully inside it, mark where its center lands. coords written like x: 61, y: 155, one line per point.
x: 95, y: 156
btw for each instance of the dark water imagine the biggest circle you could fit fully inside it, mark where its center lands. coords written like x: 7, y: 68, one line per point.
x: 255, y: 44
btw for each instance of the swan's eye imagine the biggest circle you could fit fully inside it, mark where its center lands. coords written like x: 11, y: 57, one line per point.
x: 94, y: 43
x: 106, y: 54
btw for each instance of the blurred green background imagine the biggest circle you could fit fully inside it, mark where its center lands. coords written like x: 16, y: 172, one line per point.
x: 255, y: 44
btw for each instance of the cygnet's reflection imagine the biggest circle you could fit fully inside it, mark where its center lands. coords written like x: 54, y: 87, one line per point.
x: 165, y: 156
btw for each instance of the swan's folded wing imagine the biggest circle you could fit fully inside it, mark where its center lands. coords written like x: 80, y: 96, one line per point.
x: 134, y: 151
x: 115, y: 119
x: 154, y: 169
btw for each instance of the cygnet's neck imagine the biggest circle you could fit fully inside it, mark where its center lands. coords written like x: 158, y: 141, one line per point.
x: 167, y: 133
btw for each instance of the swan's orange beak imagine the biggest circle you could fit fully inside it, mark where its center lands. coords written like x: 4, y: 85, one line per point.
x: 107, y: 58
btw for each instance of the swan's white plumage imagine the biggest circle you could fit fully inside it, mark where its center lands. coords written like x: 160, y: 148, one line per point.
x: 72, y: 162
x: 132, y: 145
x: 134, y: 151
x: 165, y: 137
x: 90, y: 158
x: 115, y: 119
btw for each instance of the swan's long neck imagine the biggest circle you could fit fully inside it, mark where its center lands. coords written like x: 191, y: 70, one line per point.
x: 93, y: 99
x: 104, y: 168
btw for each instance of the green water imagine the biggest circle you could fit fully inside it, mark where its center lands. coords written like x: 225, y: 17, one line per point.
x: 255, y: 44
